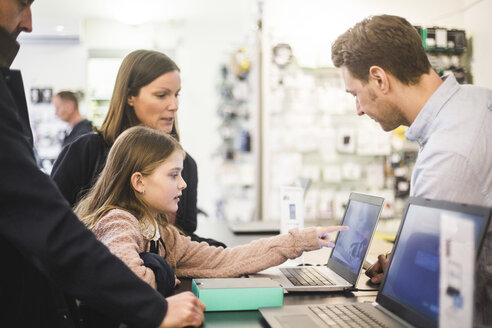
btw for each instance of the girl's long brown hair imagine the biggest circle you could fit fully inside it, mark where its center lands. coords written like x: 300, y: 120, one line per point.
x: 137, y: 149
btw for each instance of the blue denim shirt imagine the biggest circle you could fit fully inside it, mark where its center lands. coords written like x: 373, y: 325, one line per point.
x: 454, y: 133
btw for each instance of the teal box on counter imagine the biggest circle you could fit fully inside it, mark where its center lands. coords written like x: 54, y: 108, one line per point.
x: 235, y: 294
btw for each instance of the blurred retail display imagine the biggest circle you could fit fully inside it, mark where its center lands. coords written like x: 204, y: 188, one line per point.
x: 237, y: 156
x: 447, y: 51
x: 308, y: 130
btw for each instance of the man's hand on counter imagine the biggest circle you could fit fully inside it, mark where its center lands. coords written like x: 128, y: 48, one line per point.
x: 376, y: 271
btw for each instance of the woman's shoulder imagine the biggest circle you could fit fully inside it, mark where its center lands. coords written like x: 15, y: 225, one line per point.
x: 79, y: 155
x: 91, y: 141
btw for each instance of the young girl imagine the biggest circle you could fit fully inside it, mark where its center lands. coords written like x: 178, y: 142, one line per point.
x: 140, y: 184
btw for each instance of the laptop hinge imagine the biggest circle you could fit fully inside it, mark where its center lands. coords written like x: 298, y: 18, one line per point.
x: 391, y: 314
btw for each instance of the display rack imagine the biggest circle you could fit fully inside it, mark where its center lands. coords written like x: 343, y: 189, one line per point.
x: 314, y: 138
x: 238, y: 151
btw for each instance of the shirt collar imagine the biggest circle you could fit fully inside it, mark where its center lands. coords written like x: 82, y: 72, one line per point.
x: 420, y: 129
x: 8, y: 48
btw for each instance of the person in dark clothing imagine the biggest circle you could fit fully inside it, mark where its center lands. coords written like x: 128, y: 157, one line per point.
x: 67, y: 109
x: 49, y: 257
x: 146, y: 92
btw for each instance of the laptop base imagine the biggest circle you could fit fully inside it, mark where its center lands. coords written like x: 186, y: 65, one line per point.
x: 329, y: 315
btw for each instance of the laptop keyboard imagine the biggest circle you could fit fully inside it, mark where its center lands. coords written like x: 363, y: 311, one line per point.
x: 306, y: 277
x: 345, y: 316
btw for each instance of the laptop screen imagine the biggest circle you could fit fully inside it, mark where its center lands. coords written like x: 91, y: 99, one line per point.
x: 413, y: 279
x: 352, y: 244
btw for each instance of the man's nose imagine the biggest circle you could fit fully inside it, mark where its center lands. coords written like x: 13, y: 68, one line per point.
x: 360, y: 112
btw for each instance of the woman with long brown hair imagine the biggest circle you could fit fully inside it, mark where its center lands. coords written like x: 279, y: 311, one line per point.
x: 146, y: 92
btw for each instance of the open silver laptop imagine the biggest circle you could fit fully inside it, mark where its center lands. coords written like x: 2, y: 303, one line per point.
x: 409, y: 294
x: 346, y: 259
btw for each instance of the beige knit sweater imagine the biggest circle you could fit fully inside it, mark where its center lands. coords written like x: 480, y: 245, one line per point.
x: 121, y: 232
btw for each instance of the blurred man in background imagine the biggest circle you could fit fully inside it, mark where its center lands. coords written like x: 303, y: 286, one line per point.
x: 67, y: 109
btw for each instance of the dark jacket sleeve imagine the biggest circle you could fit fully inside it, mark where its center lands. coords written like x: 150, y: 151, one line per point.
x: 37, y: 220
x: 75, y: 171
x: 187, y: 210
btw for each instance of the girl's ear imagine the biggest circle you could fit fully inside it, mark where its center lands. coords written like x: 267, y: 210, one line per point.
x: 137, y: 183
x: 131, y: 100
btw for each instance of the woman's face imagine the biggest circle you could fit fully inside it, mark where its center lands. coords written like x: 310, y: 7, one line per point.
x: 157, y: 102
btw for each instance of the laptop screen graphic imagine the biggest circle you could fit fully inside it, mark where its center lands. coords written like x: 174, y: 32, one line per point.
x: 413, y: 279
x: 351, y: 244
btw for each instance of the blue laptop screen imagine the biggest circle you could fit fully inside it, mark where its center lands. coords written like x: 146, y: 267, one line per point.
x: 413, y: 279
x: 351, y: 244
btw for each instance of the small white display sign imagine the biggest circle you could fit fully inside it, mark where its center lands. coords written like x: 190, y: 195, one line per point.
x: 291, y: 208
x: 457, y: 263
x: 291, y: 213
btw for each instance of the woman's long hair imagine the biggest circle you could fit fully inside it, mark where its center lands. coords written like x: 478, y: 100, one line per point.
x: 138, y: 69
x: 137, y: 149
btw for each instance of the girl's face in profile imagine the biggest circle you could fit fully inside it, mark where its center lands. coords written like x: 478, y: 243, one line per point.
x: 163, y: 187
x: 157, y: 102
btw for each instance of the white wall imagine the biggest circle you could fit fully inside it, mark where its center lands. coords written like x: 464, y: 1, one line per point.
x: 478, y: 26
x: 315, y: 24
x: 61, y: 66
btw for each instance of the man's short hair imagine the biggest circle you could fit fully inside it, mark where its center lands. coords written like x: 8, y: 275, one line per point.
x: 69, y: 96
x: 389, y: 42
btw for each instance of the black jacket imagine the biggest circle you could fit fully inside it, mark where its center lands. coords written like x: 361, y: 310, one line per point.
x: 45, y: 250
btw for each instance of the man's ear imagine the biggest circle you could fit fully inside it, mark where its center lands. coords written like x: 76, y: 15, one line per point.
x: 137, y: 183
x: 380, y: 78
